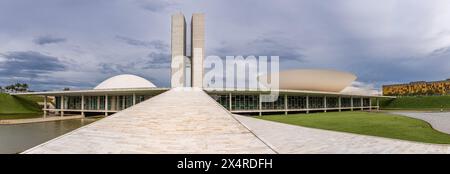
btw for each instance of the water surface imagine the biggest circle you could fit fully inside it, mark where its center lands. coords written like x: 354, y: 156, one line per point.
x: 20, y: 137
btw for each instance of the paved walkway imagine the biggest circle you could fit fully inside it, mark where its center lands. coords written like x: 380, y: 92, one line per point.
x: 172, y: 122
x: 37, y: 120
x: 285, y: 138
x: 439, y: 120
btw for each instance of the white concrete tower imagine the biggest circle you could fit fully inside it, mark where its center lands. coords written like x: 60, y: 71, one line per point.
x: 197, y: 49
x: 178, y: 46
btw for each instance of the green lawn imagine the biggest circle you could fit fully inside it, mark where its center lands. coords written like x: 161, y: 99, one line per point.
x: 376, y: 124
x: 19, y: 107
x: 417, y: 103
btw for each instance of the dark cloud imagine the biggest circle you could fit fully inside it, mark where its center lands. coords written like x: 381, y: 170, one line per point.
x: 428, y: 67
x: 155, y: 44
x: 43, y: 40
x: 263, y: 46
x: 111, y: 69
x: 35, y: 69
x: 51, y: 83
x: 156, y: 5
x: 158, y: 60
x: 379, y: 42
x: 29, y: 64
x: 154, y: 60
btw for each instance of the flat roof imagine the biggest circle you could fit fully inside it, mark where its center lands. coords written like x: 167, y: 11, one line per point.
x: 125, y: 91
x: 284, y: 91
x: 118, y: 91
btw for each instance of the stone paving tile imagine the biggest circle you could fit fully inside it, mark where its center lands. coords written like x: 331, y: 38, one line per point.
x: 439, y: 120
x: 177, y: 121
x: 284, y: 138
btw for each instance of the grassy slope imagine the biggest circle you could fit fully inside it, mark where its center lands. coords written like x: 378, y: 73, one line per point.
x: 376, y: 124
x: 417, y: 102
x: 12, y: 105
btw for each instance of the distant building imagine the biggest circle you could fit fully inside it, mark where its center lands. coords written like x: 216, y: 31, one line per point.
x: 418, y: 88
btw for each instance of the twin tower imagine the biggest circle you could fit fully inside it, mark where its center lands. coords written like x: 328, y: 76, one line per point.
x: 180, y: 59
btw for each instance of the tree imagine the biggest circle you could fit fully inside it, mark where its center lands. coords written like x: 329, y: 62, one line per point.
x: 17, y: 87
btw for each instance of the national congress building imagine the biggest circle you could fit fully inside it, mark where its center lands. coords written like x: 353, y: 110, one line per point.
x: 300, y: 90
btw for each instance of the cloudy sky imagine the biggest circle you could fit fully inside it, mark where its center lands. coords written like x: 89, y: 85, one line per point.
x: 52, y: 44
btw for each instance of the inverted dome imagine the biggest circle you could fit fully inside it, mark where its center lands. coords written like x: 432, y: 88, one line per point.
x: 125, y: 81
x: 314, y: 80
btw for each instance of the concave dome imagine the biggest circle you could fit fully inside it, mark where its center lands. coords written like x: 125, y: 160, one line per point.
x: 125, y: 81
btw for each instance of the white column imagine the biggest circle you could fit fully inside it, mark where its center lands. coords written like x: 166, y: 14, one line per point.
x: 106, y: 104
x: 62, y: 106
x: 362, y: 103
x: 370, y: 104
x: 116, y: 103
x: 260, y: 105
x: 307, y: 104
x: 82, y: 105
x: 229, y: 101
x: 325, y: 103
x: 134, y: 99
x: 45, y: 106
x: 340, y: 103
x: 123, y: 102
x: 98, y: 102
x: 378, y: 104
x: 351, y: 103
x: 285, y: 104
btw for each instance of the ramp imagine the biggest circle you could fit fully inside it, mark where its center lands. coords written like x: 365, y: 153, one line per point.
x: 181, y: 120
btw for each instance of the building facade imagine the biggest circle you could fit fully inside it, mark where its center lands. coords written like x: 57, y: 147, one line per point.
x: 178, y: 50
x: 179, y: 47
x: 289, y: 101
x: 306, y: 90
x: 418, y: 88
x: 197, y: 49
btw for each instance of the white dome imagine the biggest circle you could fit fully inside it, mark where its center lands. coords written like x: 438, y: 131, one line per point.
x: 125, y: 81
